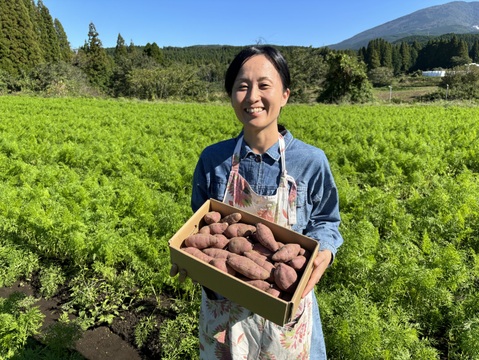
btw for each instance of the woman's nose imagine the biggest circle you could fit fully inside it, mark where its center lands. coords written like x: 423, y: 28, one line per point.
x: 253, y: 94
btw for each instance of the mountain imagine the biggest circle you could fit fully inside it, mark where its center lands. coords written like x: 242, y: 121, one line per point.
x: 457, y: 17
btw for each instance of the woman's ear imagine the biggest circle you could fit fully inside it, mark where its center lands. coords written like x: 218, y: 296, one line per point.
x: 285, y: 97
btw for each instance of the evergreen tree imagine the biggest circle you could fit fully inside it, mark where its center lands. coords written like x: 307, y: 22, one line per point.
x: 405, y: 53
x: 474, y: 54
x: 19, y: 49
x: 63, y: 43
x: 373, y: 55
x: 48, y: 36
x: 121, y: 50
x: 154, y: 52
x: 95, y: 61
x: 119, y: 78
x: 396, y: 60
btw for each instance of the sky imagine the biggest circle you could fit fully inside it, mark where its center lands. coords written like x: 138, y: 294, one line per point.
x: 181, y: 23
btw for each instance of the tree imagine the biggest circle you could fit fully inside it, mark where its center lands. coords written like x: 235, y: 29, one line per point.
x: 19, y: 49
x: 122, y: 67
x: 121, y: 51
x: 154, y: 52
x: 63, y: 43
x: 47, y: 34
x: 405, y: 53
x: 95, y: 61
x: 474, y: 54
x: 346, y: 81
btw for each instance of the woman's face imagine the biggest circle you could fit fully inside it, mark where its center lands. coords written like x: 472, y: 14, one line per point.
x: 258, y: 94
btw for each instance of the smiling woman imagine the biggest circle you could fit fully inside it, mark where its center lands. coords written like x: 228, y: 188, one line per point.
x: 267, y: 172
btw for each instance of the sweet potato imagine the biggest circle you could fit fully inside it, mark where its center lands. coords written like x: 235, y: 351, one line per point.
x: 298, y: 263
x: 285, y: 277
x: 217, y: 228
x: 231, y: 218
x: 239, y: 229
x: 260, y: 249
x: 247, y: 267
x: 305, y: 253
x: 217, y: 253
x: 200, y: 241
x: 223, y: 266
x: 238, y: 245
x: 274, y: 290
x: 265, y: 236
x: 205, y: 230
x: 261, y: 260
x: 197, y: 253
x: 286, y: 253
x: 212, y: 217
x: 222, y: 241
x: 260, y: 284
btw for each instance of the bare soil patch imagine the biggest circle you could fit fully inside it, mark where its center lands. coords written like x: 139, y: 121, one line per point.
x: 113, y: 341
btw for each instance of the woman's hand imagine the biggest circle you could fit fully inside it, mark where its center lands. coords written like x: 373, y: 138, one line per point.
x: 174, y: 270
x: 320, y: 264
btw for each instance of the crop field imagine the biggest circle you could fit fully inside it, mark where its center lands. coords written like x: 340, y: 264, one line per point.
x: 91, y: 191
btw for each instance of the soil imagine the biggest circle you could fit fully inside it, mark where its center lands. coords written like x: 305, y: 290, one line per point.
x: 114, y: 341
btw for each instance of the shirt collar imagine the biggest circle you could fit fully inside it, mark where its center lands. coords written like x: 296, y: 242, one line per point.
x: 272, y: 152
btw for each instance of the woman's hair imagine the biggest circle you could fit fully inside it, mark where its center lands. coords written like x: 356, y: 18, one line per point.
x: 273, y: 55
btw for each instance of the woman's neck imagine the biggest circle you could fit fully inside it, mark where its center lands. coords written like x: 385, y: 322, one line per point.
x: 261, y: 141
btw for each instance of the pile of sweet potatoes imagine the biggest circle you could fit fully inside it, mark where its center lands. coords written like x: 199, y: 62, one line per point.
x: 249, y: 252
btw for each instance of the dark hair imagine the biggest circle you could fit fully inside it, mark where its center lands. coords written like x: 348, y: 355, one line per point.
x: 271, y: 54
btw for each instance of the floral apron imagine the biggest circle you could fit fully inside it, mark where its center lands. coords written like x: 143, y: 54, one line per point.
x: 230, y: 331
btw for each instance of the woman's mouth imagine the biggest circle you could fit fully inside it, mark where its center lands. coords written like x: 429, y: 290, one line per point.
x: 254, y: 110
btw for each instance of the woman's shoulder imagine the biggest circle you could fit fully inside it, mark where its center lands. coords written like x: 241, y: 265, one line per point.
x: 221, y: 146
x: 302, y: 148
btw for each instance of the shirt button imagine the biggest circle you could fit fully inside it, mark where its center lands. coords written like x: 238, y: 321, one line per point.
x: 257, y: 158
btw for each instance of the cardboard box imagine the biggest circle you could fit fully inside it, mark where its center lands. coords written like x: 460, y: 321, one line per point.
x: 260, y: 302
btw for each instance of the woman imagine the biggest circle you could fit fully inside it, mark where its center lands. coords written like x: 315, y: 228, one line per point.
x: 281, y: 179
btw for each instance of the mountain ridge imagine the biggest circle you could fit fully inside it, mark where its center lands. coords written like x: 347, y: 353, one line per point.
x: 458, y: 17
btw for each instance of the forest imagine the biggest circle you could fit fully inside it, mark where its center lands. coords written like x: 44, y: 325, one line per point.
x: 36, y: 57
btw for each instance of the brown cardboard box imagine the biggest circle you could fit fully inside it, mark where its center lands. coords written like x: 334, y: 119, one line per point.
x: 260, y: 302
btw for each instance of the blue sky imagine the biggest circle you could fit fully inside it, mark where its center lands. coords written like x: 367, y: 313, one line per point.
x: 205, y: 22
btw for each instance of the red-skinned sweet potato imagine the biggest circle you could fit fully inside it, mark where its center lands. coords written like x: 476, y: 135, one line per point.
x: 298, y: 263
x: 239, y: 245
x: 261, y: 260
x: 274, y: 290
x: 212, y: 217
x: 200, y: 241
x: 197, y: 253
x: 260, y: 249
x: 285, y: 277
x: 286, y: 253
x: 217, y: 253
x: 217, y: 228
x: 239, y: 229
x: 265, y: 236
x: 247, y: 267
x: 231, y: 218
x: 260, y: 284
x: 222, y: 241
x: 223, y: 266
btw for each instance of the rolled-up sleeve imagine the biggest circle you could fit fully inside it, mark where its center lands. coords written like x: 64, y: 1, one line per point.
x: 199, y: 187
x: 325, y: 219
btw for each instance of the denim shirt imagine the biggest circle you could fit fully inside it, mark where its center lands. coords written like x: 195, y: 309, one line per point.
x: 317, y: 201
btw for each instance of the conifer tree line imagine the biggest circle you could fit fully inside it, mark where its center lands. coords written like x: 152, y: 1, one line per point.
x: 29, y: 36
x: 35, y: 56
x: 409, y: 55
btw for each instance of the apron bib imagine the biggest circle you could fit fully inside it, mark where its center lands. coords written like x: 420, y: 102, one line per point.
x: 230, y: 331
